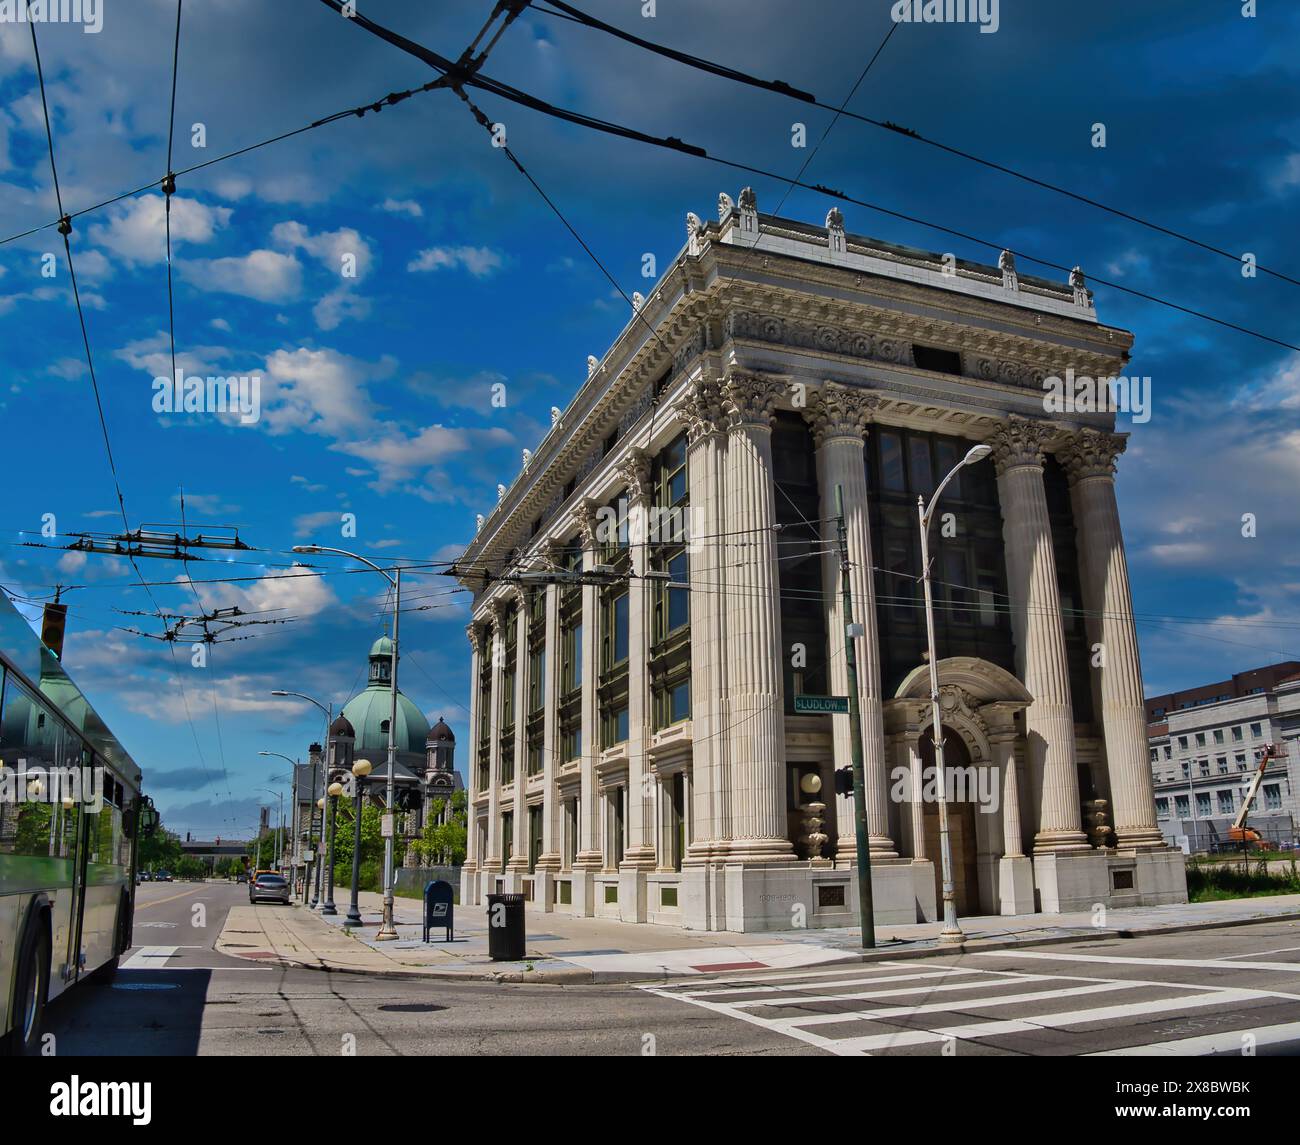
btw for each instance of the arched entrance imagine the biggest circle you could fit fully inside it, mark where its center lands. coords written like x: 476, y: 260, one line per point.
x: 961, y: 820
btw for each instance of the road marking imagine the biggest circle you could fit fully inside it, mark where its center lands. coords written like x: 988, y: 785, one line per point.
x: 1261, y: 953
x: 1208, y: 1043
x: 169, y: 898
x: 1198, y: 963
x: 150, y: 958
x: 740, y: 986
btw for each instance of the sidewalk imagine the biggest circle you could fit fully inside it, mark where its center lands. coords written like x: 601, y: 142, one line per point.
x: 562, y: 948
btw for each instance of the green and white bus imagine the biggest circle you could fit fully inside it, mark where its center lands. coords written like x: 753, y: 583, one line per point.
x: 70, y: 813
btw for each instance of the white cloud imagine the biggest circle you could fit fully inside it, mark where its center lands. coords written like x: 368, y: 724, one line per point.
x: 283, y: 592
x: 265, y: 275
x: 136, y: 229
x: 71, y: 563
x: 329, y: 248
x: 480, y: 261
x: 337, y: 306
x: 403, y: 207
x: 1288, y: 174
x: 319, y: 391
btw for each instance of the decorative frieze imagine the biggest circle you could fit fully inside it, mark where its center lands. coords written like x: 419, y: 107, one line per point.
x: 829, y: 339
x: 1009, y: 373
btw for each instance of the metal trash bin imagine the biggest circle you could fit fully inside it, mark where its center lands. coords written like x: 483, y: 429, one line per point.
x: 505, y: 927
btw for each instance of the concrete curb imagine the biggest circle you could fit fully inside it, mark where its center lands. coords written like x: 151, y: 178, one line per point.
x: 573, y: 976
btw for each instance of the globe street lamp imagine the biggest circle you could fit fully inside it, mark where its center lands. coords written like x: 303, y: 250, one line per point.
x: 328, y: 709
x: 951, y: 932
x: 360, y: 774
x: 387, y: 932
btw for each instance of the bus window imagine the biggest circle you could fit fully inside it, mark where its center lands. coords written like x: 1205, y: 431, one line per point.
x: 38, y: 746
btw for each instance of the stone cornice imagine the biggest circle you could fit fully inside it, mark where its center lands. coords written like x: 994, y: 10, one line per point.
x: 1091, y: 453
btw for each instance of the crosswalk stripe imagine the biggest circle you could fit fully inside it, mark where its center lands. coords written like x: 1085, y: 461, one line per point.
x: 1043, y: 1021
x: 1229, y: 1042
x: 891, y: 1013
x: 1198, y: 963
x: 150, y: 958
x: 796, y: 986
x: 860, y: 995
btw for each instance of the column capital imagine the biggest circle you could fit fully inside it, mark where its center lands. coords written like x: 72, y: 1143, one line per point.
x: 702, y: 410
x: 748, y: 400
x: 838, y: 411
x: 1091, y: 453
x: 475, y: 634
x: 585, y: 520
x: 1020, y: 441
x: 635, y: 470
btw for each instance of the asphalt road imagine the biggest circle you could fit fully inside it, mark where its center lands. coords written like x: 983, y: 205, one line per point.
x: 1198, y: 993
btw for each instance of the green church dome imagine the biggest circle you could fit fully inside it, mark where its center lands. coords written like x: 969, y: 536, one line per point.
x: 368, y: 712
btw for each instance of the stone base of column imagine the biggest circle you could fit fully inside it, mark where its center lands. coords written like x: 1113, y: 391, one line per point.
x: 1015, y: 885
x: 548, y: 862
x: 760, y: 851
x: 518, y: 865
x: 1060, y: 843
x: 543, y: 890
x: 583, y: 893
x: 638, y: 859
x: 1069, y: 881
x: 631, y: 895
x: 881, y: 847
x: 707, y: 851
x: 588, y: 861
x: 1141, y: 839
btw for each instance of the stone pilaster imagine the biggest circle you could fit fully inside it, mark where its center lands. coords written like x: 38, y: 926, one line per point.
x: 639, y: 853
x: 589, y: 857
x: 1089, y: 459
x: 549, y: 860
x: 1038, y: 630
x: 756, y: 720
x: 496, y: 642
x: 839, y: 418
x: 710, y: 782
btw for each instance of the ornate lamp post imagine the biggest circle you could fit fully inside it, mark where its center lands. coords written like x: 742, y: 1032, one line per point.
x: 332, y: 794
x: 387, y: 932
x: 951, y: 932
x: 360, y: 773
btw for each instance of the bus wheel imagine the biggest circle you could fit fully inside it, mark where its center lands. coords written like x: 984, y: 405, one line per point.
x: 30, y: 991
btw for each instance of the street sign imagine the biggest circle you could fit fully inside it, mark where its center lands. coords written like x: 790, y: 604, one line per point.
x: 386, y: 827
x: 309, y: 856
x: 816, y: 705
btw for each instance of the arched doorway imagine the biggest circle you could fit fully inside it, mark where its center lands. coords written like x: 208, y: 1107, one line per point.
x: 961, y: 822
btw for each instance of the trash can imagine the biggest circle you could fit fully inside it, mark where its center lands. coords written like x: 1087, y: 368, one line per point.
x: 505, y: 927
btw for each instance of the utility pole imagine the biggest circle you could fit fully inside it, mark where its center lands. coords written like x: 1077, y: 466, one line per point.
x: 866, y: 902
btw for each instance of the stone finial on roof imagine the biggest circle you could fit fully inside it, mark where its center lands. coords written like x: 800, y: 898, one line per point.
x: 555, y: 416
x: 1007, y: 265
x: 478, y: 522
x: 835, y: 231
x: 725, y: 206
x: 638, y: 301
x: 694, y: 229
x: 501, y: 493
x: 593, y: 364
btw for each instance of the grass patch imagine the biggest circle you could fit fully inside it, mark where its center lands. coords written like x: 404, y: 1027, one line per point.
x: 1214, y: 882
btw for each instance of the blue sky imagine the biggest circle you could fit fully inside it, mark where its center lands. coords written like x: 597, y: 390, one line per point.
x: 376, y: 392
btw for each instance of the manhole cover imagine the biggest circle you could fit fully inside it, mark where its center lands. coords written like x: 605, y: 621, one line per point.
x: 146, y: 986
x: 411, y: 1008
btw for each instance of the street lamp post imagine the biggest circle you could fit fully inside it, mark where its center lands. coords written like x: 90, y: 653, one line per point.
x: 332, y: 794
x: 294, y: 804
x: 279, y: 841
x: 328, y: 709
x: 951, y: 932
x: 387, y: 931
x: 360, y: 772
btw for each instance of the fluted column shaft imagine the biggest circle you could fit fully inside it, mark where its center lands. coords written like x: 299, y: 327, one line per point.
x: 475, y: 715
x: 756, y: 722
x: 519, y: 861
x: 1003, y: 747
x: 1039, y: 632
x: 551, y: 831
x: 589, y: 857
x: 1090, y: 462
x: 639, y: 853
x: 839, y: 418
x: 706, y: 460
x: 496, y: 644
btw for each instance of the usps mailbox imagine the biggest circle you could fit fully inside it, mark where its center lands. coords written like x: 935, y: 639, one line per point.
x: 438, y: 908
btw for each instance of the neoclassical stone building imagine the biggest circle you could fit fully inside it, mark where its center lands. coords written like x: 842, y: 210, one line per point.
x: 661, y: 580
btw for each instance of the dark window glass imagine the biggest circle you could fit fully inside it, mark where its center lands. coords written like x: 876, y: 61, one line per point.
x: 891, y: 463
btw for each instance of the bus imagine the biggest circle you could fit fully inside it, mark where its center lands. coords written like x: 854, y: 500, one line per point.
x: 71, y: 813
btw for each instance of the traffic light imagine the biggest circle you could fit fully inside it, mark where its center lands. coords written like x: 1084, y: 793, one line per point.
x: 844, y: 781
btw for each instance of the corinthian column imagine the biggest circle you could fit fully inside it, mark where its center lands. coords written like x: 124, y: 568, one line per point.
x: 705, y: 459
x: 756, y: 721
x: 589, y: 857
x: 1038, y: 631
x: 519, y: 860
x: 640, y: 851
x: 1089, y: 459
x: 839, y: 418
x: 472, y: 856
x: 496, y: 643
x: 549, y: 860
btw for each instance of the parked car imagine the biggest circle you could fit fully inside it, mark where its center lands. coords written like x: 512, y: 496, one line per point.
x: 146, y: 876
x: 241, y: 877
x: 163, y: 877
x: 269, y: 887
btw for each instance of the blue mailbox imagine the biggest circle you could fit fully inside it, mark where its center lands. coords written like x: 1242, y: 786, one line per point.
x: 438, y: 908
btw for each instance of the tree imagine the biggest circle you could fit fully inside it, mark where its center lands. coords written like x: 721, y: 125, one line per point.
x: 160, y: 851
